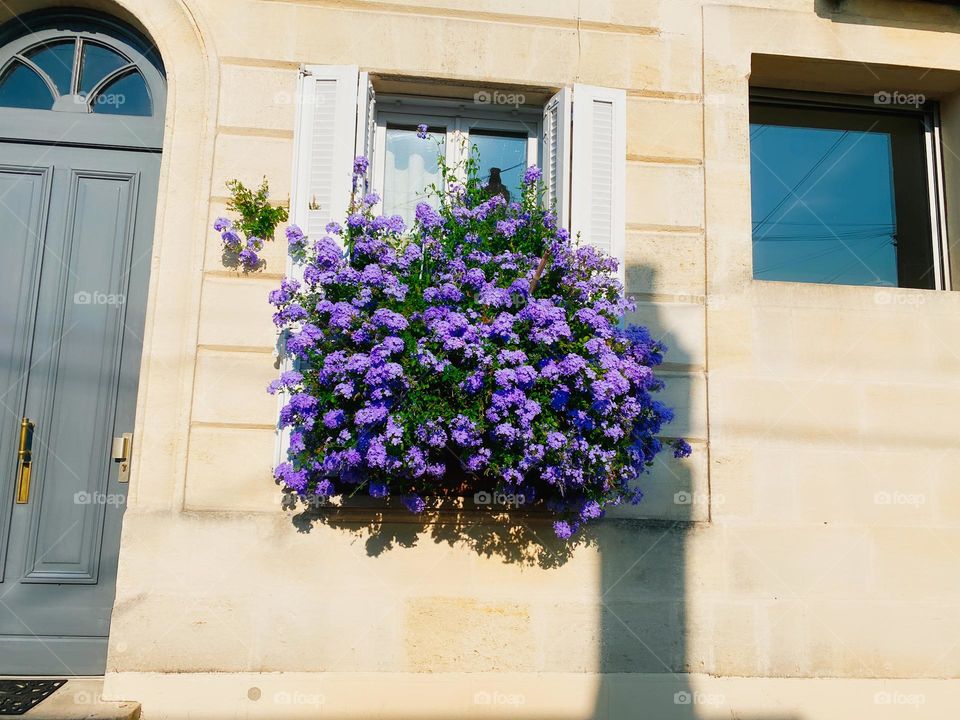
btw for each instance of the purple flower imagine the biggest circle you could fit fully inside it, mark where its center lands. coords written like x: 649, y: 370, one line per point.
x: 295, y: 236
x: 422, y: 131
x: 414, y: 503
x: 562, y: 529
x: 222, y: 224
x: 288, y: 379
x: 333, y: 418
x: 231, y: 240
x: 507, y: 228
x: 532, y: 175
x: 379, y: 490
x: 249, y: 259
x: 428, y: 217
x: 591, y: 510
x: 360, y: 167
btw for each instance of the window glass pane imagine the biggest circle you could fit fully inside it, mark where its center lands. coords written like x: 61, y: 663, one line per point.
x: 839, y: 197
x: 125, y: 96
x: 98, y: 62
x: 21, y: 87
x: 410, y: 167
x: 504, y: 151
x: 56, y: 60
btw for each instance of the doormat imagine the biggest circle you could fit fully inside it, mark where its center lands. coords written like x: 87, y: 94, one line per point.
x: 18, y: 696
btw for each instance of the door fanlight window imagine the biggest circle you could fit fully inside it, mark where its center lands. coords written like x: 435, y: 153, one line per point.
x: 75, y: 74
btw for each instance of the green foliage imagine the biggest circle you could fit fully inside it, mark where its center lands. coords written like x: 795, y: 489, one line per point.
x: 258, y: 217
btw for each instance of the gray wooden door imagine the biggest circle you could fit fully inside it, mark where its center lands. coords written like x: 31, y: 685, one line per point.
x: 78, y: 188
x: 76, y: 226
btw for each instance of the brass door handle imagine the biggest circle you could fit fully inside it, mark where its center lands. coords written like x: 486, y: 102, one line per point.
x: 24, y: 461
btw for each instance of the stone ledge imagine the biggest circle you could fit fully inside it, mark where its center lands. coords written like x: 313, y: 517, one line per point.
x: 82, y: 699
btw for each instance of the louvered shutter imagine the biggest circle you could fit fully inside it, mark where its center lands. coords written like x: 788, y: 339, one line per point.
x: 556, y: 155
x: 599, y: 168
x: 324, y: 146
x: 366, y: 125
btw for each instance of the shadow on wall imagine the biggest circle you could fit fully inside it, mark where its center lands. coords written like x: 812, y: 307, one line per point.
x: 642, y: 583
x: 938, y: 15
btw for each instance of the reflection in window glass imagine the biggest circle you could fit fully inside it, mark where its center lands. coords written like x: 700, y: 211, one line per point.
x: 56, y: 60
x: 98, y: 62
x: 410, y: 167
x: 505, y: 151
x: 127, y: 95
x: 839, y: 197
x: 21, y: 87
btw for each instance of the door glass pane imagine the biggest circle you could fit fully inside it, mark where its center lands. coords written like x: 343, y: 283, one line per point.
x: 410, y: 167
x: 127, y: 95
x: 506, y: 152
x: 98, y: 62
x: 56, y: 60
x: 21, y: 87
x: 839, y: 197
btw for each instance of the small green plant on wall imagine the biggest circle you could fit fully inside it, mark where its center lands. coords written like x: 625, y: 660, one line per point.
x: 243, y: 239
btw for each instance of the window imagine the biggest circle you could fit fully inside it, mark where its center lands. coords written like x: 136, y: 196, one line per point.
x: 845, y: 191
x: 340, y: 116
x: 507, y: 141
x: 74, y: 74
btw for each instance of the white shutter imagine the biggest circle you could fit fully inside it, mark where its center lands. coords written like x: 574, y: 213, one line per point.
x: 599, y: 168
x: 366, y: 125
x: 556, y: 155
x: 325, y: 140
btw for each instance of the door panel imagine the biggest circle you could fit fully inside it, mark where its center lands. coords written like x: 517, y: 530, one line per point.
x: 57, y: 595
x: 24, y: 197
x: 84, y: 364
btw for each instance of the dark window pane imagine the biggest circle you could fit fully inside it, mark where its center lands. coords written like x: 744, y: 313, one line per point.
x: 98, y: 62
x: 410, y: 169
x: 21, y: 87
x: 56, y: 60
x: 126, y: 95
x: 505, y: 151
x: 839, y: 196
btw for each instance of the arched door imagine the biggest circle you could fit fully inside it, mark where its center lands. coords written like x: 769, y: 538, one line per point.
x: 82, y: 102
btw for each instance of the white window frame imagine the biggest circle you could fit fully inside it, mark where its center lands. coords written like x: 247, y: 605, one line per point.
x: 459, y: 118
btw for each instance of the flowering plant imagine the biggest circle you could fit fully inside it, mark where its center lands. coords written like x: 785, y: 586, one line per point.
x: 481, y: 350
x: 243, y: 240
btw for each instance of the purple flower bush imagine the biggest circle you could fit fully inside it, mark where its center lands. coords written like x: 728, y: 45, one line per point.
x: 482, y: 350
